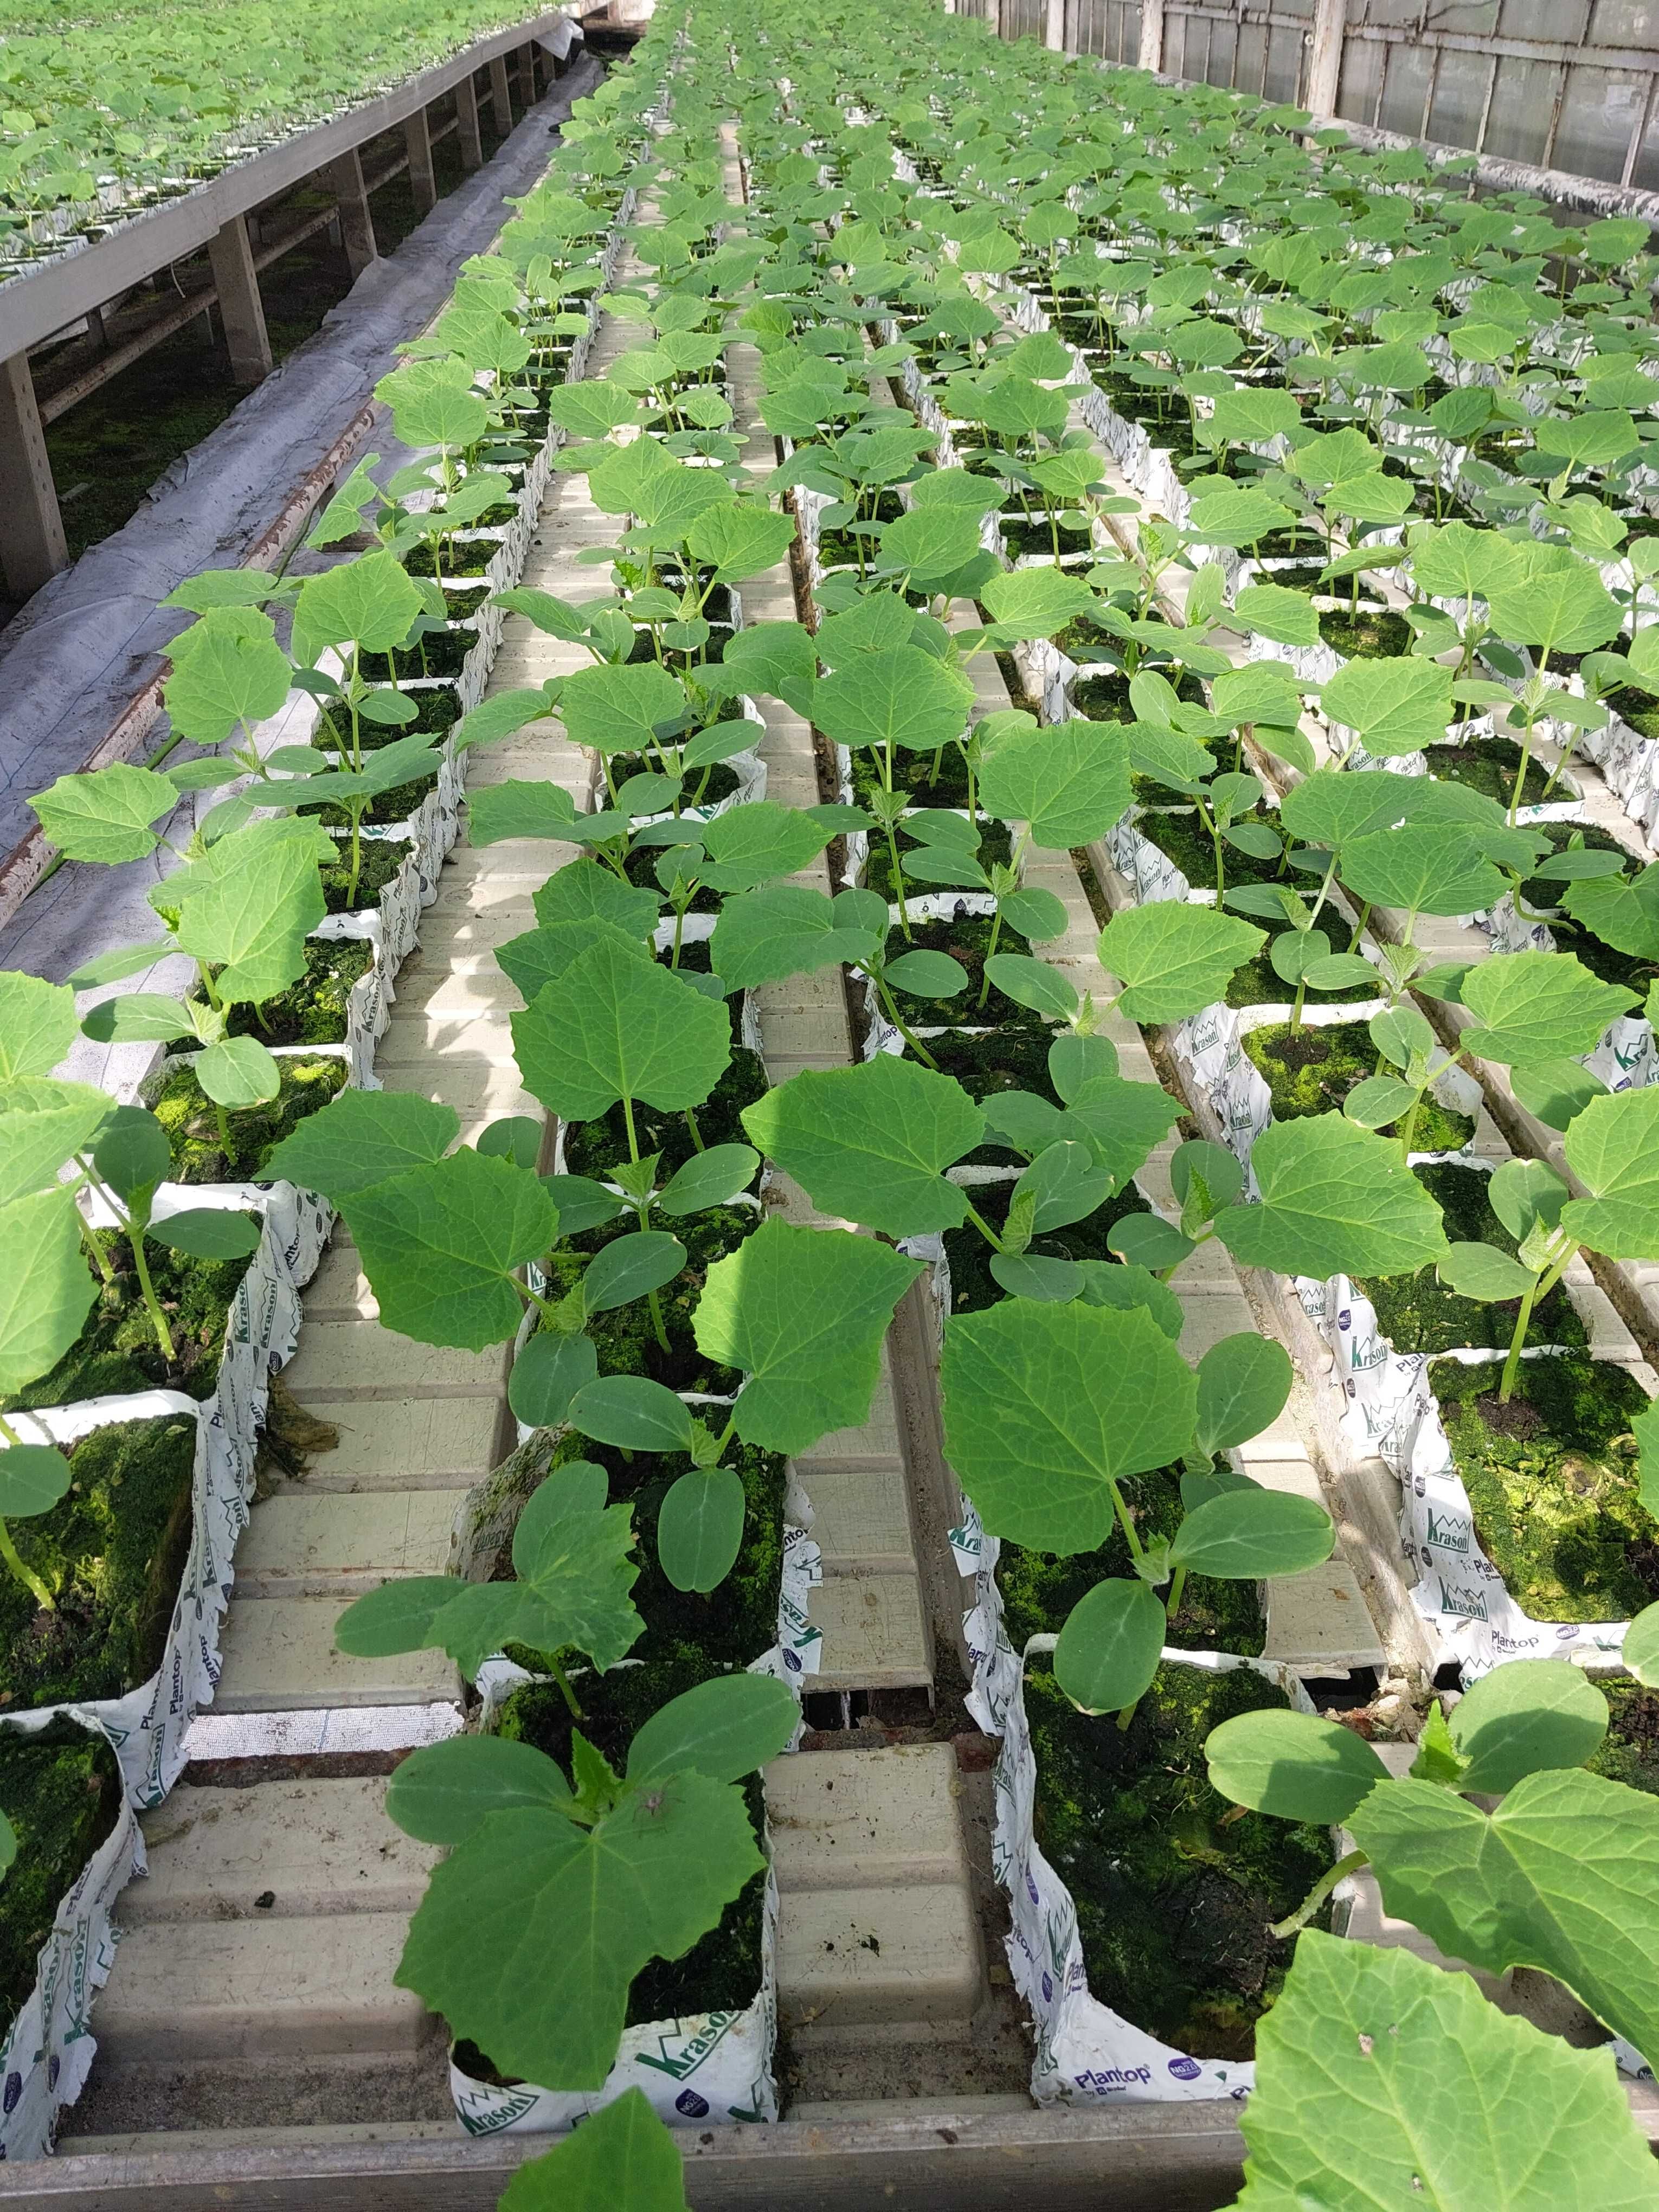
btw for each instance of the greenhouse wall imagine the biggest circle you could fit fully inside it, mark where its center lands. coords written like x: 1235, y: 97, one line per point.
x: 1571, y: 89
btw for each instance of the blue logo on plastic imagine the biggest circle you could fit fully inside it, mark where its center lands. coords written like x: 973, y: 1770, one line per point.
x: 694, y: 2106
x: 1185, y: 2069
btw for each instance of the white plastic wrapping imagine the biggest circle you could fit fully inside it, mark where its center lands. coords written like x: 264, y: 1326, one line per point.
x: 1391, y: 1410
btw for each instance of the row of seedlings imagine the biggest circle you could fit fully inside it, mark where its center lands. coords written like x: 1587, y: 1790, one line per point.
x: 1569, y: 1580
x: 156, y: 1255
x: 630, y: 1594
x: 197, y: 97
x: 1028, y: 1170
x: 1330, y: 1195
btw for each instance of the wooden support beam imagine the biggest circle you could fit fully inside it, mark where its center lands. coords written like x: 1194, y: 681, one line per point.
x: 422, y: 182
x: 1325, y: 59
x: 499, y: 98
x: 345, y: 179
x: 466, y: 121
x: 528, y: 74
x: 33, y: 547
x: 236, y: 280
x: 1151, y: 56
x: 1053, y: 26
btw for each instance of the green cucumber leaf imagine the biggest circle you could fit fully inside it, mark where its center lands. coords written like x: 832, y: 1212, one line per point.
x: 1174, y: 959
x: 37, y: 1024
x: 803, y: 1312
x: 1563, y: 1876
x: 361, y: 1138
x: 1613, y: 1147
x: 1334, y: 1199
x: 440, y: 1245
x: 1070, y: 782
x: 43, y: 1124
x: 530, y: 1932
x: 1046, y: 1405
x: 1535, y: 1007
x: 615, y: 1026
x: 786, y: 929
x: 1383, y: 2081
x: 871, y: 1143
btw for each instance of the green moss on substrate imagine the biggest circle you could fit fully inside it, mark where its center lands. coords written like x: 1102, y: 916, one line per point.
x: 967, y: 938
x: 995, y: 847
x: 626, y: 1341
x: 435, y: 711
x: 1630, y: 1750
x: 1001, y: 1060
x: 594, y: 1148
x: 61, y: 1791
x: 973, y: 1286
x: 440, y: 653
x: 1636, y: 708
x: 1489, y: 765
x: 1173, y: 1905
x: 1552, y: 1477
x: 193, y: 1129
x: 1181, y: 835
x: 381, y: 862
x: 1417, y: 1313
x: 913, y: 774
x: 111, y: 1551
x: 1311, y: 1071
x: 117, y: 1351
x: 703, y: 786
x: 687, y: 1639
x: 312, y: 1010
x: 1366, y: 636
x: 1039, y: 1589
